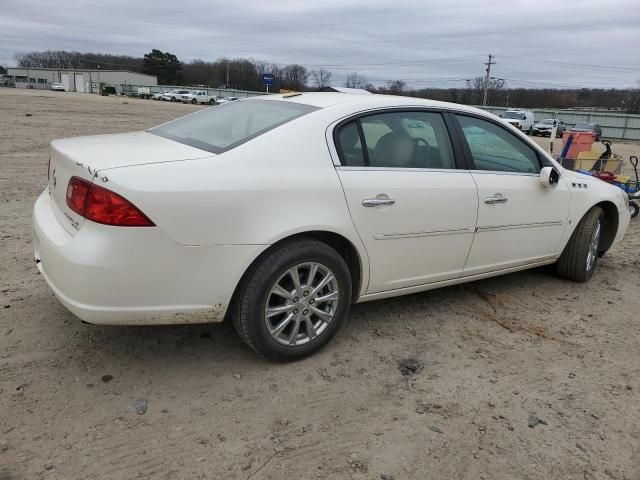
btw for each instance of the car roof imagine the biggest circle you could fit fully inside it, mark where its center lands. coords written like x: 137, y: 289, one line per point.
x: 358, y: 100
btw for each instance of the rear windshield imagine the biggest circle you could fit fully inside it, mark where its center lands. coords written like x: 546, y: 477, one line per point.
x: 513, y: 115
x: 221, y: 128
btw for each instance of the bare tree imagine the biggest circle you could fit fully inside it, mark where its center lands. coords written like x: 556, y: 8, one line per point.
x: 396, y: 87
x: 321, y: 78
x: 355, y: 80
x: 295, y: 77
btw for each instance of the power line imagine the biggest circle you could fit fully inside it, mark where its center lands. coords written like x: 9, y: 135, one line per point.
x: 408, y: 62
x: 550, y: 84
x: 579, y: 65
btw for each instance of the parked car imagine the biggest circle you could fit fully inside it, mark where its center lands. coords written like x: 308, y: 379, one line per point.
x: 223, y: 100
x: 174, y: 95
x: 544, y: 127
x: 57, y: 87
x: 157, y: 96
x: 521, y: 119
x: 198, y: 96
x: 278, y: 212
x: 588, y: 127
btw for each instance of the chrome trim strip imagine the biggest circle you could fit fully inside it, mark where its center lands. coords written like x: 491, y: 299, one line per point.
x: 395, y: 236
x: 493, y: 228
x: 399, y: 169
x: 498, y: 172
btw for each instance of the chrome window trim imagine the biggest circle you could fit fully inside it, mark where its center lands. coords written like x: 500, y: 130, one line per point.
x: 501, y: 172
x: 400, y: 169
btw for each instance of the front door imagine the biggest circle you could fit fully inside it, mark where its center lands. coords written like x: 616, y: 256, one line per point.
x: 520, y: 221
x: 413, y: 207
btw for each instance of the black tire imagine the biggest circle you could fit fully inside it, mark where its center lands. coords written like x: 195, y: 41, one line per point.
x: 248, y: 310
x: 194, y: 101
x: 573, y: 264
x: 212, y: 102
x: 634, y: 208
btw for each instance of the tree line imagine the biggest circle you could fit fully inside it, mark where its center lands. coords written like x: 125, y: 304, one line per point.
x: 245, y: 74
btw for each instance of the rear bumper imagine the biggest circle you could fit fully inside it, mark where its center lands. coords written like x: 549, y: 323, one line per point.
x: 136, y: 276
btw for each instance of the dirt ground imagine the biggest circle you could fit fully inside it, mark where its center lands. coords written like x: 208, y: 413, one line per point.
x: 480, y: 361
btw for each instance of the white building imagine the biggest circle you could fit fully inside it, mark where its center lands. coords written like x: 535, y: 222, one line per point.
x: 79, y: 79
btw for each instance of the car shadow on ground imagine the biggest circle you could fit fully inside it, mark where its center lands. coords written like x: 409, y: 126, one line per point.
x: 217, y: 345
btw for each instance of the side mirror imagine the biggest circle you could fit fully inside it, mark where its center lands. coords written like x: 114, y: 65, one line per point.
x: 549, y: 177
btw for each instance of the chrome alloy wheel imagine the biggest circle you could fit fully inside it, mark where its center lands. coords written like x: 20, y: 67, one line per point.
x: 592, y: 255
x: 301, y: 304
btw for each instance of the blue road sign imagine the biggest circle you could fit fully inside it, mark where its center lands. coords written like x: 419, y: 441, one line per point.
x: 267, y: 79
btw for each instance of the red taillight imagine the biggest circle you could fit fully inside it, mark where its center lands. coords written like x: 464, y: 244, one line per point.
x: 100, y: 205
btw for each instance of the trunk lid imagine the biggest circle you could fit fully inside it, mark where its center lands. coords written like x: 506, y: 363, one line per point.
x: 88, y: 157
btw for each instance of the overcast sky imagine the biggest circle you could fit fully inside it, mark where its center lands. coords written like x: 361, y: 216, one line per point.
x: 585, y: 43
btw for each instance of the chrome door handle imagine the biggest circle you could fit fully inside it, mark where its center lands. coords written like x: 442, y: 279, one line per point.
x: 377, y: 202
x: 496, y: 198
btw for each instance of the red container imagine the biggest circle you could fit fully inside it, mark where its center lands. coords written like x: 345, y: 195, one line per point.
x: 582, y: 142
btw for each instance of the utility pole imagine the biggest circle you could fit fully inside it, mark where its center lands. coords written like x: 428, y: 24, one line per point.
x: 486, y: 80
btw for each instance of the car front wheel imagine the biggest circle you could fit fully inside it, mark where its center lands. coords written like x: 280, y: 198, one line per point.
x: 580, y: 257
x: 294, y: 300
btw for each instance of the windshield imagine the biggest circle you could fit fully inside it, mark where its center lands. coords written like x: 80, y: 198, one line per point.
x: 547, y: 121
x: 513, y: 115
x: 224, y: 127
x: 584, y: 126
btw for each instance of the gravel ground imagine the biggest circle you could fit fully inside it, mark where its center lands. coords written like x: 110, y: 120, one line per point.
x: 523, y: 376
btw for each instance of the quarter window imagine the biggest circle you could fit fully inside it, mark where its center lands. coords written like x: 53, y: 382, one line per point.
x: 397, y: 140
x: 496, y: 149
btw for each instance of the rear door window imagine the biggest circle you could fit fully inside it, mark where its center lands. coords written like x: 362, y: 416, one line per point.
x: 412, y: 139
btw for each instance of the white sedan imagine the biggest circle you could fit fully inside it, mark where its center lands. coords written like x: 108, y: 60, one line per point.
x: 223, y: 100
x: 278, y: 212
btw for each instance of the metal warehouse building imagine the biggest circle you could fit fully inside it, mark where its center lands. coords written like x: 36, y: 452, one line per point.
x: 78, y: 79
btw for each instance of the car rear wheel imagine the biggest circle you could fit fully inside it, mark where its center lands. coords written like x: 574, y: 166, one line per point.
x: 194, y: 101
x: 293, y: 301
x: 580, y: 257
x: 211, y: 102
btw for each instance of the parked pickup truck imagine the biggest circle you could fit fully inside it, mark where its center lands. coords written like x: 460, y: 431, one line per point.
x: 174, y: 95
x: 144, y: 92
x: 198, y: 96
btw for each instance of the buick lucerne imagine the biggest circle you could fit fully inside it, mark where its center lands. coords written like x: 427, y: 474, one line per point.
x: 279, y: 212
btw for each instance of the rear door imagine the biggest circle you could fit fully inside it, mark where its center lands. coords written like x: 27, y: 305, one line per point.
x: 520, y: 221
x: 412, y: 203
